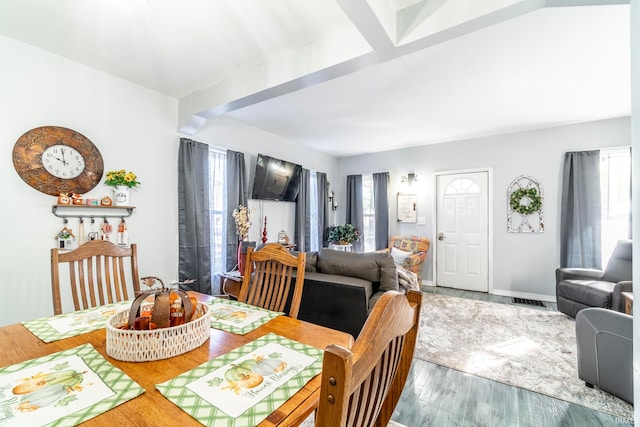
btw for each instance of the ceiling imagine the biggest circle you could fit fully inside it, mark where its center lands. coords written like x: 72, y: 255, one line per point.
x: 348, y: 77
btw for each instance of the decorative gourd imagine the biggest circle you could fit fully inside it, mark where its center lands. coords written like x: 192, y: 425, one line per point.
x: 242, y: 375
x: 67, y: 378
x: 268, y: 366
x: 30, y: 385
x: 43, y: 397
x: 161, y: 307
x: 222, y: 313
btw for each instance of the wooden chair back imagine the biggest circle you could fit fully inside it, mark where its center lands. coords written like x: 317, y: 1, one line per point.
x: 99, y: 273
x: 268, y: 277
x: 361, y: 387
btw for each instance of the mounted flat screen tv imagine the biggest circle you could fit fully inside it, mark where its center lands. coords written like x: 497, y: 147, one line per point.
x: 276, y: 179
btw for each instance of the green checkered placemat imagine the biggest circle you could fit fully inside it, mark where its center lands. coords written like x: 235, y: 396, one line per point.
x: 62, y: 389
x: 244, y: 386
x: 237, y: 317
x: 67, y: 325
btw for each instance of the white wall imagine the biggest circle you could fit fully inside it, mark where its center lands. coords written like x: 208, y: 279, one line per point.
x: 134, y: 129
x: 635, y: 135
x: 523, y: 264
x: 225, y: 132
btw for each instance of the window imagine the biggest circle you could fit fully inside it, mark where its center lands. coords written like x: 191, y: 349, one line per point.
x: 461, y: 186
x: 316, y: 239
x: 615, y: 190
x: 217, y: 210
x: 368, y: 234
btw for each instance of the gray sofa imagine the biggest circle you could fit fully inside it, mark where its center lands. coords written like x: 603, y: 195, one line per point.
x: 579, y: 288
x: 605, y: 351
x: 340, y: 288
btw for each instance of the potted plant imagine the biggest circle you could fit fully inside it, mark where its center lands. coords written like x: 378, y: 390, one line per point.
x: 122, y: 182
x: 342, y: 234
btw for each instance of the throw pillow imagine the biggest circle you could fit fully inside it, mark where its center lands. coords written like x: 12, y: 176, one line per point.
x: 398, y: 255
x: 361, y: 265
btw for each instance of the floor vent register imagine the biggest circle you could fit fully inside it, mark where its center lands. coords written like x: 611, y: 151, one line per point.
x: 528, y: 302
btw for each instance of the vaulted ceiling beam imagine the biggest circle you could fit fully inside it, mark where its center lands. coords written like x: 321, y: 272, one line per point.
x: 370, y: 41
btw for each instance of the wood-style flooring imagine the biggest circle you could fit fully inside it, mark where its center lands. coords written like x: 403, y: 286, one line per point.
x: 442, y: 397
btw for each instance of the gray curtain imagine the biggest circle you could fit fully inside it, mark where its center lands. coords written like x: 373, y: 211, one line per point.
x: 302, y: 232
x: 631, y: 193
x: 381, y: 201
x: 193, y: 215
x: 323, y: 207
x: 236, y: 196
x: 355, y: 210
x: 580, y: 241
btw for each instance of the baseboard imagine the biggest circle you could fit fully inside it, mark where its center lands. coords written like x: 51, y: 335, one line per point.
x: 513, y: 294
x: 524, y: 295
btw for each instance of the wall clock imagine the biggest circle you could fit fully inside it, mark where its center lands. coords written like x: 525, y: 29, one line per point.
x: 56, y: 160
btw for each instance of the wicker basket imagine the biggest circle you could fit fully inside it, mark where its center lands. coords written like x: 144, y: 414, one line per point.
x: 155, y: 344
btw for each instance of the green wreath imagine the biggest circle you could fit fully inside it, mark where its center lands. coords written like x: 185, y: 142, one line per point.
x: 516, y: 201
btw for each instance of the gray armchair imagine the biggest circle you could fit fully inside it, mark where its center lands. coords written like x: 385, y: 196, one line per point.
x: 579, y: 288
x: 605, y: 351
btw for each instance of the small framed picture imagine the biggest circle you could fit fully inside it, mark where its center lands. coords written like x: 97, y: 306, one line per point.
x: 407, y: 208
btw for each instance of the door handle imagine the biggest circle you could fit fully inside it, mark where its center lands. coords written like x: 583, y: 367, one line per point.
x: 440, y: 236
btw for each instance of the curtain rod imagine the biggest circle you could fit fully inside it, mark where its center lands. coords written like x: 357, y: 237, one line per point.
x: 619, y: 147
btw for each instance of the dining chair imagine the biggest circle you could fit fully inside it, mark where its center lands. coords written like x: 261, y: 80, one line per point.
x: 99, y: 273
x: 362, y: 385
x: 268, y: 276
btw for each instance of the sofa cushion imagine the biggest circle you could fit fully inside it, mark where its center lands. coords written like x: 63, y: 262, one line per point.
x: 592, y: 293
x: 367, y: 266
x: 311, y: 260
x: 620, y: 265
x: 366, y: 285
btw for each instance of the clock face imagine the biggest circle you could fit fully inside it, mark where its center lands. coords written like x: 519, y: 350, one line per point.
x: 56, y: 160
x: 63, y: 161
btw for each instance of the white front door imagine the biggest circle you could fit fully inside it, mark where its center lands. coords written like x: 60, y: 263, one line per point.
x: 462, y: 231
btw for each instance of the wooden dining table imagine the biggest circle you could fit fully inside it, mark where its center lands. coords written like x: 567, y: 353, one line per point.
x: 151, y: 408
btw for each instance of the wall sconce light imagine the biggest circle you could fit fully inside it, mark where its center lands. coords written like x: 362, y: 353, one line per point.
x: 409, y: 178
x: 332, y: 200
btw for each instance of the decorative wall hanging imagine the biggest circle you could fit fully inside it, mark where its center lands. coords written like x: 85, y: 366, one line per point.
x: 525, y: 206
x: 407, y: 208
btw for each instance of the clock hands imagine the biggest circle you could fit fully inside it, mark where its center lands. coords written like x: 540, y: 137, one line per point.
x: 63, y: 160
x: 60, y: 160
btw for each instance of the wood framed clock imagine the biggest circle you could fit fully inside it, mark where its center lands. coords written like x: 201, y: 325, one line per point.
x: 54, y: 160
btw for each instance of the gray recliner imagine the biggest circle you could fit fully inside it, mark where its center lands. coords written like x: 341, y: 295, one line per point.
x: 605, y: 351
x: 579, y: 288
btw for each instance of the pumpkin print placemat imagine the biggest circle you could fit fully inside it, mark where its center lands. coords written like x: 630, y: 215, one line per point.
x: 62, y: 389
x: 67, y: 325
x: 237, y: 317
x: 244, y: 386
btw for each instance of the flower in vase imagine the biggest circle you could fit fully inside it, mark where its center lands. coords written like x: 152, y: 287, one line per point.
x: 242, y: 216
x: 121, y: 177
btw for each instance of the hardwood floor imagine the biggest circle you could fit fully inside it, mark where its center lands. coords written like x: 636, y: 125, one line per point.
x: 442, y: 397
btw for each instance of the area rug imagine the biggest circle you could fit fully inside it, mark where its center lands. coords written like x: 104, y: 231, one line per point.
x: 525, y: 347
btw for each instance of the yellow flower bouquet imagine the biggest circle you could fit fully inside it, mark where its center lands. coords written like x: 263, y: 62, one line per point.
x: 122, y: 177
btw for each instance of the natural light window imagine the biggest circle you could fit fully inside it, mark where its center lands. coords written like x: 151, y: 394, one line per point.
x: 615, y: 188
x: 462, y: 186
x: 368, y: 234
x: 316, y: 240
x: 217, y: 210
